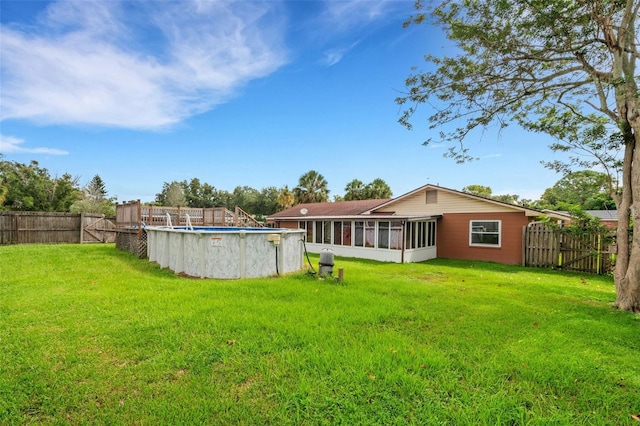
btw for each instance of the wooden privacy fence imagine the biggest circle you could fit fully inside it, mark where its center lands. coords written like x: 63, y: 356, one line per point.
x: 548, y: 247
x: 55, y: 228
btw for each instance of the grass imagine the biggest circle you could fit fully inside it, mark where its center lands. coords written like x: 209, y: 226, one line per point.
x: 91, y: 335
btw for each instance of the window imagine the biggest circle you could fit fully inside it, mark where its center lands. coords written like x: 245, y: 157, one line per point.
x: 383, y: 235
x: 308, y: 226
x: 408, y: 240
x: 484, y: 233
x: 370, y: 234
x: 420, y: 234
x: 359, y: 235
x: 337, y: 233
x: 346, y: 233
x: 395, y: 237
x: 431, y: 241
x: 326, y: 236
x: 323, y: 232
x: 342, y: 233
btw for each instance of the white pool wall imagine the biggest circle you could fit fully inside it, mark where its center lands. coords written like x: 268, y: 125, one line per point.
x: 225, y: 254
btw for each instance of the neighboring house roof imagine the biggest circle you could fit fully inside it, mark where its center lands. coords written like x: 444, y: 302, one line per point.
x: 337, y: 208
x: 609, y: 215
x: 604, y: 214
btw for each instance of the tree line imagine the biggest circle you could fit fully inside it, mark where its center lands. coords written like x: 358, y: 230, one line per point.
x: 582, y: 190
x: 312, y: 188
x: 30, y: 187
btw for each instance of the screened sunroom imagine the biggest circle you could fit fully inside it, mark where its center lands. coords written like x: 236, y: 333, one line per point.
x: 388, y: 239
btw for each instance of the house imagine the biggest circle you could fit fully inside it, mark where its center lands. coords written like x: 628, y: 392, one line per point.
x: 608, y: 218
x: 423, y: 224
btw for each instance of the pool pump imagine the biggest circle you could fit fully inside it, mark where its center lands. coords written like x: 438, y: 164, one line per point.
x: 326, y: 263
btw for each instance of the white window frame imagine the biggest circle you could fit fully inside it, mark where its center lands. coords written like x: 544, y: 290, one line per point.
x: 471, y: 233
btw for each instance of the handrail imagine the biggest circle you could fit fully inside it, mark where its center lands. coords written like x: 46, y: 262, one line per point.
x: 169, y: 220
x: 245, y: 219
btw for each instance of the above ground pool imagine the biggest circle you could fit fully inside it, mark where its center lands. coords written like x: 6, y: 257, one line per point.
x: 226, y: 252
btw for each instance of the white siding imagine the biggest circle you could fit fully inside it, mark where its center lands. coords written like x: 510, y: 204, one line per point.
x: 448, y: 202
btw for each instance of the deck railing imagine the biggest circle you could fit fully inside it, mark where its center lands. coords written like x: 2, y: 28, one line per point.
x: 136, y: 215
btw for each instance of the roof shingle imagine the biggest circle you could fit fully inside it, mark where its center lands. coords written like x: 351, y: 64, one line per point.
x: 337, y: 208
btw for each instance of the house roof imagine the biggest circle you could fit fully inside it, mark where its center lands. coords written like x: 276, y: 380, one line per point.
x: 337, y: 208
x: 607, y: 215
x: 528, y: 211
x: 381, y: 207
x: 604, y: 214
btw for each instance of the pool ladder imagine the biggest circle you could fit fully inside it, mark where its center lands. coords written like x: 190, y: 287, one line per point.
x: 188, y: 221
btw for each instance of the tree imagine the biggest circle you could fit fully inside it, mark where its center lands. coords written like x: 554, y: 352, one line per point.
x: 267, y: 201
x: 173, y: 194
x: 585, y: 189
x: 357, y: 190
x: 487, y: 192
x: 200, y: 194
x: 479, y: 190
x: 377, y: 189
x: 546, y: 65
x: 94, y: 199
x: 286, y: 198
x: 247, y: 198
x: 354, y: 190
x: 30, y: 188
x: 312, y: 188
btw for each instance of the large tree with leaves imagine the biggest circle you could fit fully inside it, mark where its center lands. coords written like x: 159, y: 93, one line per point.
x: 584, y: 189
x: 29, y: 187
x: 357, y: 190
x: 94, y: 199
x: 546, y: 65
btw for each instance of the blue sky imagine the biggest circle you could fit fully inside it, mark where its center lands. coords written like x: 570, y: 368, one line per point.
x: 233, y: 93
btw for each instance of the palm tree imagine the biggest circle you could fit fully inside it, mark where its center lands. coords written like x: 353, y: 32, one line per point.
x: 354, y: 190
x: 378, y: 189
x: 312, y: 188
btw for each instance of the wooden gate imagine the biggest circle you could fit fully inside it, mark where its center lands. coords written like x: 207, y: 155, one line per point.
x: 547, y: 247
x: 98, y: 229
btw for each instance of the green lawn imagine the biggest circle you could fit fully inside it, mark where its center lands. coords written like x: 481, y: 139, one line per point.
x: 92, y: 335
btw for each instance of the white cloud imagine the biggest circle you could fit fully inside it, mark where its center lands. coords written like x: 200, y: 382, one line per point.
x: 333, y: 56
x: 88, y: 62
x: 10, y: 144
x: 344, y: 15
x: 339, y: 22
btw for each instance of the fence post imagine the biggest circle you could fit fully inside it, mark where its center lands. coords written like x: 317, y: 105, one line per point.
x: 81, y: 228
x: 16, y: 221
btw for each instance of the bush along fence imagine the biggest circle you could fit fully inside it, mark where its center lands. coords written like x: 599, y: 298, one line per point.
x: 55, y: 228
x: 550, y: 247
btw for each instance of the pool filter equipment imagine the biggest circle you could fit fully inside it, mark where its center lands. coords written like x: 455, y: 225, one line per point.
x: 326, y: 263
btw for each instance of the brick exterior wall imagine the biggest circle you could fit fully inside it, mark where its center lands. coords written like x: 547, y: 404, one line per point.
x: 453, y: 237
